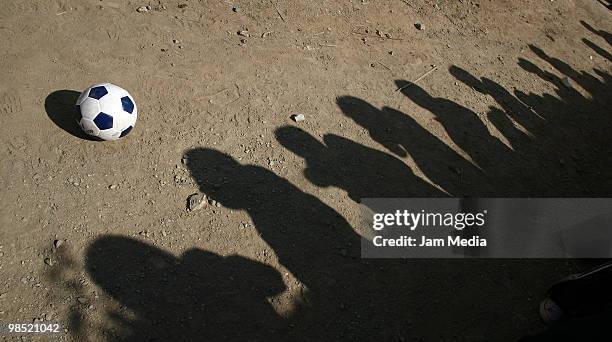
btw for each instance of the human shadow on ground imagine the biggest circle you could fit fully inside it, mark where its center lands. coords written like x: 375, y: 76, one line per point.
x: 61, y: 108
x: 557, y: 143
x: 309, y: 238
x: 361, y: 171
x: 198, y: 295
x: 402, y: 136
x: 344, y: 297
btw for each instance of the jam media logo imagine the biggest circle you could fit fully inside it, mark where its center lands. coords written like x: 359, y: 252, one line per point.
x: 424, y: 241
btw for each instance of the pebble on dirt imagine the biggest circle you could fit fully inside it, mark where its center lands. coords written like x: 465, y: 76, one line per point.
x: 244, y: 33
x: 419, y: 26
x: 48, y: 261
x: 196, y: 201
x: 298, y: 117
x: 58, y: 243
x: 236, y: 8
x: 142, y: 9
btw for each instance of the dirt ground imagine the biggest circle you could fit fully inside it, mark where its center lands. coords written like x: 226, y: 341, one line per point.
x: 276, y: 253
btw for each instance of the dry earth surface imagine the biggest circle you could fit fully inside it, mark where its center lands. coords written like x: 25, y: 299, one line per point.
x: 96, y: 234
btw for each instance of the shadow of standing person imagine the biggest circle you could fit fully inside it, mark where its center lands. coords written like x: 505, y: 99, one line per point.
x: 347, y: 297
x: 403, y: 136
x: 359, y: 170
x: 198, y: 296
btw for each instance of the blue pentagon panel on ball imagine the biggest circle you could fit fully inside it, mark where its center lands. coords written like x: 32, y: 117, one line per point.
x: 103, y: 121
x: 126, y: 132
x: 127, y: 104
x: 97, y: 92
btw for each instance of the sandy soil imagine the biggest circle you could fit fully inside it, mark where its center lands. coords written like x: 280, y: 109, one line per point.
x: 277, y: 253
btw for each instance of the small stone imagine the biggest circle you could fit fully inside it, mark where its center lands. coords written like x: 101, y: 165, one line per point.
x: 142, y: 9
x: 82, y: 300
x: 49, y: 262
x: 2, y: 295
x: 243, y: 41
x: 236, y: 9
x: 176, y: 41
x: 24, y: 280
x: 112, y: 186
x: 244, y: 33
x: 419, y: 26
x: 196, y: 201
x: 58, y: 243
x: 182, y: 6
x: 298, y: 117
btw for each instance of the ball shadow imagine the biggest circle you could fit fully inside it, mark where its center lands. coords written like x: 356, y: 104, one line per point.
x: 61, y: 109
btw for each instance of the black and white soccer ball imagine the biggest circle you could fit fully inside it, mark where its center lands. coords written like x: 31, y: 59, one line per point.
x: 107, y: 111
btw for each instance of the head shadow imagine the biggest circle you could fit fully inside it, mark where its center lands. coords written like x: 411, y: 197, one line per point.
x: 61, y: 109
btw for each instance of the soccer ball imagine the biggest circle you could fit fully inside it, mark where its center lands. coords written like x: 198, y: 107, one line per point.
x: 107, y: 111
